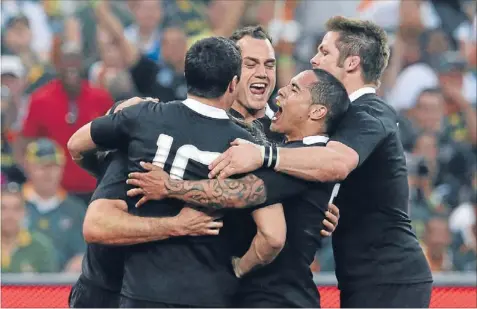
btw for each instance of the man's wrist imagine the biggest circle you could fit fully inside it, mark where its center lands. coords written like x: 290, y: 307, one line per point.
x: 175, y: 227
x: 236, y: 266
x: 270, y: 157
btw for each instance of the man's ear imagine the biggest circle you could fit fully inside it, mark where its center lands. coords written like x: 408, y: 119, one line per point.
x: 317, y: 112
x: 233, y: 84
x: 352, y: 63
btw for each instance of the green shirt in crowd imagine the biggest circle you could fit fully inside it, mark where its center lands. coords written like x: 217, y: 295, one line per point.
x: 34, y: 253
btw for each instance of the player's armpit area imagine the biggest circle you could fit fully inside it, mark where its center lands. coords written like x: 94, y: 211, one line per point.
x: 244, y: 192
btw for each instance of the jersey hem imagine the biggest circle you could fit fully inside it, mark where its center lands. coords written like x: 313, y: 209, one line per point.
x: 174, y: 302
x: 358, y: 284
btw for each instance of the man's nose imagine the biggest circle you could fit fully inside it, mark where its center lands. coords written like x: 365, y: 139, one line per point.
x: 315, y: 61
x: 260, y: 72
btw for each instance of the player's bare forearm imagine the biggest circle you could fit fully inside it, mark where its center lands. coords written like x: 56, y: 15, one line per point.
x: 267, y: 243
x: 247, y: 191
x: 108, y: 222
x: 332, y: 163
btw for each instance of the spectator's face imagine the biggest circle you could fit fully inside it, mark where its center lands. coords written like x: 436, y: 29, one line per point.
x: 14, y: 84
x: 45, y: 177
x: 328, y: 56
x: 109, y: 51
x: 429, y: 112
x: 69, y: 69
x: 258, y: 77
x: 454, y: 78
x: 148, y: 14
x: 437, y: 235
x: 13, y: 212
x: 294, y: 102
x: 426, y: 147
x: 18, y: 37
x: 174, y: 46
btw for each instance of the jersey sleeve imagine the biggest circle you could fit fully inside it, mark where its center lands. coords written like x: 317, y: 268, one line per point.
x: 113, y: 184
x: 361, y: 132
x: 280, y: 186
x: 113, y: 131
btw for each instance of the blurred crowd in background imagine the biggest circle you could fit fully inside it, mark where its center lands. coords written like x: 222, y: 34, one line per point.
x: 63, y: 64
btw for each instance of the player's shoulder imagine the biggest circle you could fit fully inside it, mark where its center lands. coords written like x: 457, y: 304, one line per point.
x: 243, y: 130
x: 375, y: 106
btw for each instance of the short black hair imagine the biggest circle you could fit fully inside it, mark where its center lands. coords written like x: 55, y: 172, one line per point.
x: 256, y: 32
x: 210, y: 66
x: 330, y: 92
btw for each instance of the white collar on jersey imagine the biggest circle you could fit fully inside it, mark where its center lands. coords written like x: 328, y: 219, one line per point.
x: 360, y: 92
x: 314, y: 139
x: 269, y: 112
x: 206, y: 110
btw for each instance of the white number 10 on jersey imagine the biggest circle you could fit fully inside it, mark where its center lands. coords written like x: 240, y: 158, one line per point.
x: 183, y: 155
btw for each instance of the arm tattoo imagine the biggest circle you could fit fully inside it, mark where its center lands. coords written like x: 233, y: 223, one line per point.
x: 217, y: 194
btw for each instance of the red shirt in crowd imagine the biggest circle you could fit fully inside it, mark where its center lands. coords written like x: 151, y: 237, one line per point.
x: 48, y: 116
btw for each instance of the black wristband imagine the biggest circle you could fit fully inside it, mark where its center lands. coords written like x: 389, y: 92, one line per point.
x: 274, y: 156
x: 266, y: 157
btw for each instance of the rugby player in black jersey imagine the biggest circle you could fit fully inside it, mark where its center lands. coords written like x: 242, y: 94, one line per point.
x: 102, y: 269
x: 183, y: 137
x: 379, y: 262
x: 256, y: 85
x: 311, y: 106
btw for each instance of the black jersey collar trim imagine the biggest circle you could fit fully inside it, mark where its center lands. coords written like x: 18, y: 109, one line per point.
x: 360, y: 92
x: 206, y: 110
x: 314, y: 139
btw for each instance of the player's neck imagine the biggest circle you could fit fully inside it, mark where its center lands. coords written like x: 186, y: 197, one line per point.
x: 211, y: 102
x: 353, y: 85
x: 248, y: 115
x: 299, y: 135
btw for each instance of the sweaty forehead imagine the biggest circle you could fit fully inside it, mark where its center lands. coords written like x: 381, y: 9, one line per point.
x: 256, y: 48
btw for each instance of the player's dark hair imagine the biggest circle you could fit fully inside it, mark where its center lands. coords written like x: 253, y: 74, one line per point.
x: 331, y: 93
x: 364, y: 39
x: 210, y: 66
x: 256, y: 32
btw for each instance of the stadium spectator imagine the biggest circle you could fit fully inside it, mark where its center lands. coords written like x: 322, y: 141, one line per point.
x: 13, y: 82
x: 58, y: 109
x: 463, y: 223
x: 164, y: 81
x: 22, y: 250
x: 145, y: 31
x: 10, y: 170
x: 110, y: 72
x: 31, y: 13
x: 223, y: 17
x: 50, y: 209
x: 436, y: 244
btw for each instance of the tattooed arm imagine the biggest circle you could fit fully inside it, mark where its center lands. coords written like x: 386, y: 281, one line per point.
x: 263, y: 187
